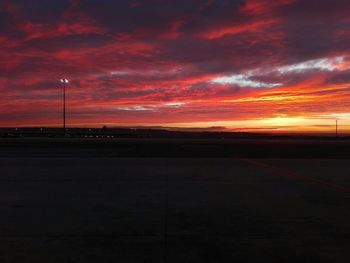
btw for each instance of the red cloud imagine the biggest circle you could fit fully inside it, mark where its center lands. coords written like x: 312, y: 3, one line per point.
x: 40, y: 31
x: 250, y: 27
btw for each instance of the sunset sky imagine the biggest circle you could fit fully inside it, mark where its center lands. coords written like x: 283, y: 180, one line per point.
x: 241, y: 65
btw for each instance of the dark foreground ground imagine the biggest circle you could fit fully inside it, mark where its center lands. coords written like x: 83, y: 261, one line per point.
x: 63, y: 203
x: 187, y: 148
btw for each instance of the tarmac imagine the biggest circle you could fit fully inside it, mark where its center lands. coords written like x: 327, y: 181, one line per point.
x: 96, y: 208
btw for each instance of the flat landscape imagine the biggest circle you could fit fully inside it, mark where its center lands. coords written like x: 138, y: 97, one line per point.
x: 68, y: 201
x: 330, y: 148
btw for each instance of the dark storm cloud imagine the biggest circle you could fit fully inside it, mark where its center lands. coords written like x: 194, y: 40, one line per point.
x: 40, y: 11
x: 310, y: 27
x: 340, y: 78
x: 127, y: 16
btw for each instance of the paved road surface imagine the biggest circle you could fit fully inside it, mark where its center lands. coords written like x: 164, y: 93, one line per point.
x: 174, y: 210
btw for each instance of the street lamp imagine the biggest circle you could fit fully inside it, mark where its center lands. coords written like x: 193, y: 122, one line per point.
x: 64, y: 82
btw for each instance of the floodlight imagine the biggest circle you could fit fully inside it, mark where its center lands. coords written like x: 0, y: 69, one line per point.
x: 64, y: 82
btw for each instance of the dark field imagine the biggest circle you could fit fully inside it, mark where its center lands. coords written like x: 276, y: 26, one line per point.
x: 185, y: 148
x: 174, y: 201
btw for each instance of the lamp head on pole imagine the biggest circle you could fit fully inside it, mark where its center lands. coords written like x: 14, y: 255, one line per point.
x: 65, y: 81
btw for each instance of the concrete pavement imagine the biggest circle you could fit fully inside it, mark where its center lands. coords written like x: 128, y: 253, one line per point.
x: 173, y: 210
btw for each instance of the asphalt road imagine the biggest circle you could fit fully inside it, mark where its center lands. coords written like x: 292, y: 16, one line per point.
x: 110, y: 209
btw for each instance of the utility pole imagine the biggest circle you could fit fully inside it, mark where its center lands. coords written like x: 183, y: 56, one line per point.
x: 64, y: 82
x: 336, y: 128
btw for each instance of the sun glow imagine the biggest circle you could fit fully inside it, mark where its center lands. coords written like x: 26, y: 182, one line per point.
x: 286, y: 121
x: 275, y: 124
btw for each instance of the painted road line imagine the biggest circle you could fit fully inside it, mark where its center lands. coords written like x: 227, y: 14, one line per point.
x: 299, y: 177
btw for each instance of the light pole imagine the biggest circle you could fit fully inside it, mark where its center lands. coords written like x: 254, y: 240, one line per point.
x: 336, y: 128
x: 64, y: 82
